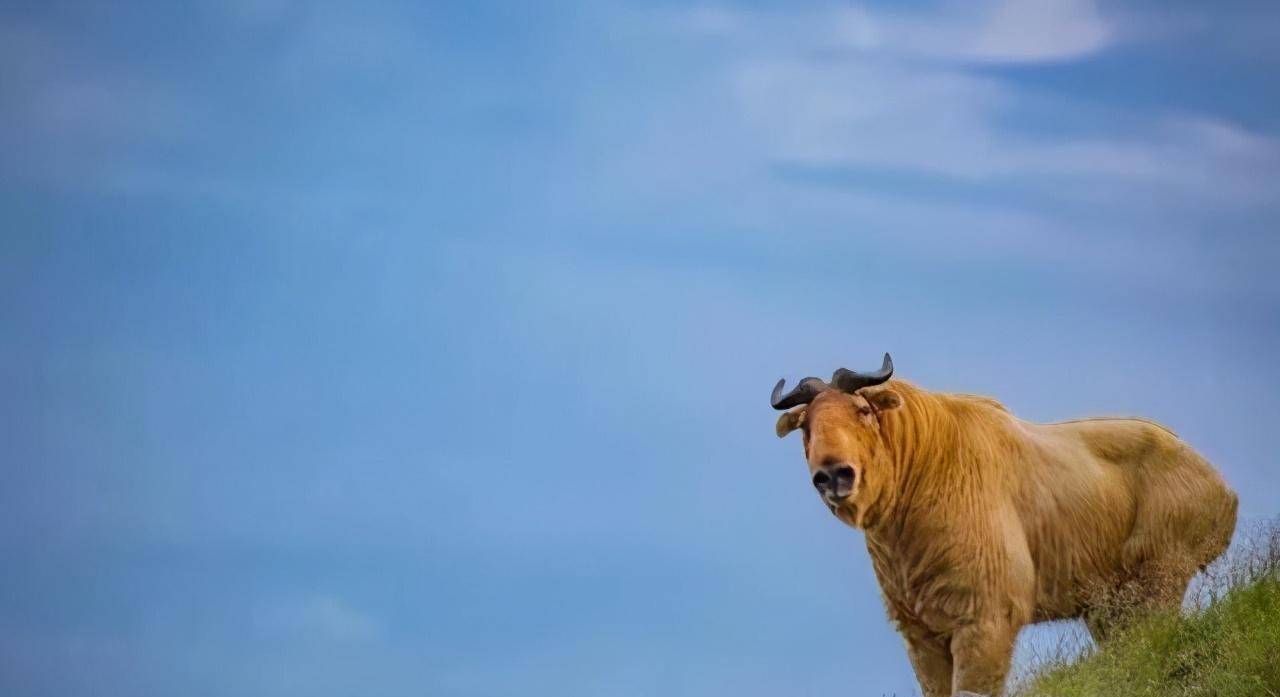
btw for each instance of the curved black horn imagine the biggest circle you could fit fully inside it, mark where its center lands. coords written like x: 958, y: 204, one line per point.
x: 802, y: 394
x: 848, y: 381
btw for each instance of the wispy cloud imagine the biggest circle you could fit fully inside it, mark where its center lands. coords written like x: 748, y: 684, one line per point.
x: 861, y: 87
x: 952, y: 123
x: 1005, y: 32
x: 1015, y: 31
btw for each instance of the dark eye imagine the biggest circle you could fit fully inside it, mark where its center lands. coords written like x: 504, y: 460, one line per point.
x: 864, y: 411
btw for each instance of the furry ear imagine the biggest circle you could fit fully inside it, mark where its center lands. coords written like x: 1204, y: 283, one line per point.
x: 790, y: 421
x: 884, y: 400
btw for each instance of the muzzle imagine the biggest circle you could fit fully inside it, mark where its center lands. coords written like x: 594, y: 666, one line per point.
x: 835, y: 482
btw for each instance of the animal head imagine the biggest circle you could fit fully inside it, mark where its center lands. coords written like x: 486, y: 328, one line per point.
x: 841, y: 423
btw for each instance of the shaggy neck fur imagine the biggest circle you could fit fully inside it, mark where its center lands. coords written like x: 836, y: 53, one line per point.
x: 933, y: 453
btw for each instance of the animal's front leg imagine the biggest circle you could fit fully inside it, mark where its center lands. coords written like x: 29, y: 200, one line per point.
x: 931, y: 660
x: 981, y: 653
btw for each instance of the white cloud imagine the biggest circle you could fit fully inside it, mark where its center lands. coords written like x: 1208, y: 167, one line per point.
x: 1045, y: 30
x: 948, y: 123
x: 853, y: 87
x: 1008, y: 31
x: 1003, y: 32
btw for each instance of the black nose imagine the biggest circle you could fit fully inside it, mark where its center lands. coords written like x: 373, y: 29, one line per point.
x: 835, y: 481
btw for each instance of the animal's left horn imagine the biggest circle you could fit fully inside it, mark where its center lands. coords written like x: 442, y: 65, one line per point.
x: 848, y: 381
x: 802, y: 394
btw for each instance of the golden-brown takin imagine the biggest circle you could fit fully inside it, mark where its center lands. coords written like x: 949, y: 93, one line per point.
x: 979, y: 523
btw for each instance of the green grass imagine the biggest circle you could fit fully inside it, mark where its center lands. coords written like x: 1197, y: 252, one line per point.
x: 1225, y: 643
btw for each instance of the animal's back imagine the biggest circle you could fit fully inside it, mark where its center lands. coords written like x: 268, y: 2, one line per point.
x: 1180, y: 498
x: 1169, y: 508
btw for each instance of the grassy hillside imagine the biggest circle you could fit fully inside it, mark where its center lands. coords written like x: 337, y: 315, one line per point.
x: 1226, y: 643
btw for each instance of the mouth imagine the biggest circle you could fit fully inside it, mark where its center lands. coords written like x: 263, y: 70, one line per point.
x: 843, y: 509
x: 840, y: 505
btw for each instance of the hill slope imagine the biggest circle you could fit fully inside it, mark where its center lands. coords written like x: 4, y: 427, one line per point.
x: 1227, y: 644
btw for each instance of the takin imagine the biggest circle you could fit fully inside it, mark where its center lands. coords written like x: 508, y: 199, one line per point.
x: 979, y: 523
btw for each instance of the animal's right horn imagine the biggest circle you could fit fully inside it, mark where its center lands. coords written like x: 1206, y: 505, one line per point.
x: 802, y: 394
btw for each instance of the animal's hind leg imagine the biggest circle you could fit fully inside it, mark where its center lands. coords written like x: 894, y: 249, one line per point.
x: 1160, y: 584
x: 1155, y: 587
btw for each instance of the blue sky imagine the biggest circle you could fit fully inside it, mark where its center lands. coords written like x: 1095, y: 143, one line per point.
x: 423, y: 348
